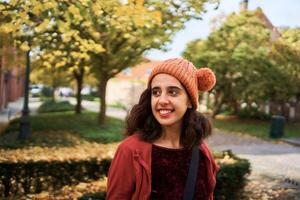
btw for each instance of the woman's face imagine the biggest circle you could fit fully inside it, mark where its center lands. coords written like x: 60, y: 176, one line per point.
x: 169, y: 100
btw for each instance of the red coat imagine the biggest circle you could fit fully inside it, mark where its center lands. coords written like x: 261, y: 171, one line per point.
x: 129, y: 175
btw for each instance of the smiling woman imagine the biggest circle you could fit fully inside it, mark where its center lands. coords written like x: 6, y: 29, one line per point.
x: 164, y: 130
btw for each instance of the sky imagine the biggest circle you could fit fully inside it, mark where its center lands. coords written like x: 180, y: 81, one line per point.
x: 280, y: 13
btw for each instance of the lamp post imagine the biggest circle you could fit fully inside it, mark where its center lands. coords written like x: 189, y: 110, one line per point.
x: 25, y: 122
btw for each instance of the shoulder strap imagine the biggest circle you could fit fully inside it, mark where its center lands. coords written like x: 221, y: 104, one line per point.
x: 189, y: 189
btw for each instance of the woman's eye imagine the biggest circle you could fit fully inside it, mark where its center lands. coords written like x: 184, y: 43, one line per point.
x: 155, y: 93
x: 173, y: 92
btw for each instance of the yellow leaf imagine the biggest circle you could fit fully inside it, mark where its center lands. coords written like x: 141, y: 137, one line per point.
x: 24, y: 46
x: 98, y: 48
x: 43, y: 26
x: 37, y: 8
x: 49, y: 5
x: 23, y: 15
x: 2, y: 7
x: 7, y: 28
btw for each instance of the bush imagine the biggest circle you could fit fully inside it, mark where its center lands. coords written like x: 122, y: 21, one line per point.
x: 93, y: 196
x: 23, y: 178
x: 55, y: 106
x: 88, y: 97
x: 46, y: 91
x: 119, y: 105
x: 232, y: 176
x: 252, y: 113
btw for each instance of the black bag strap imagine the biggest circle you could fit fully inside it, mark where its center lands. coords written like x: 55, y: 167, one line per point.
x: 189, y: 189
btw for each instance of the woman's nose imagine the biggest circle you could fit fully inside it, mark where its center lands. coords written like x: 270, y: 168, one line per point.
x: 163, y: 99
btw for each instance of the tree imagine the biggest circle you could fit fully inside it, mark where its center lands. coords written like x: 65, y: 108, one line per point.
x: 110, y: 35
x: 238, y: 53
x: 146, y: 25
x: 55, y: 28
x: 285, y: 53
x: 26, y: 21
x: 49, y: 71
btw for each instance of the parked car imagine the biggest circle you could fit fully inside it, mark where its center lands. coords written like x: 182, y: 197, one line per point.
x: 65, y: 91
x: 36, y: 90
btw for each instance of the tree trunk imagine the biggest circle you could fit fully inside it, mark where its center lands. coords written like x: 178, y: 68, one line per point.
x: 53, y: 92
x: 102, y: 94
x: 79, y: 81
x: 236, y: 107
x: 219, y: 101
x: 283, y: 110
x: 1, y: 90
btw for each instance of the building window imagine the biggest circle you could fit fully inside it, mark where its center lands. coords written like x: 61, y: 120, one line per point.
x: 127, y: 72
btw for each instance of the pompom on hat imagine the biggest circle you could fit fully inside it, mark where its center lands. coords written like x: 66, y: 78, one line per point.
x: 193, y: 79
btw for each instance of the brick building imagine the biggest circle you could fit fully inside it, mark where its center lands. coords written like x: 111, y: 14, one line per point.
x: 11, y: 77
x: 127, y: 86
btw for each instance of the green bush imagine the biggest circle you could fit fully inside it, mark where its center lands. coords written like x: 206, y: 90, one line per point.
x: 46, y: 91
x: 55, y: 106
x: 34, y: 177
x: 119, y: 105
x: 93, y: 196
x: 88, y: 97
x: 232, y: 176
x: 23, y: 178
x: 252, y: 113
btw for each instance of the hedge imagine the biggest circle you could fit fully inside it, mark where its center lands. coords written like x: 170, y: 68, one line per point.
x: 34, y: 177
x: 55, y: 106
x: 232, y: 176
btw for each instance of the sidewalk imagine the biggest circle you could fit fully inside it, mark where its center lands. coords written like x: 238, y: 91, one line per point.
x: 14, y: 109
x: 94, y: 106
x: 275, y: 164
x: 294, y: 141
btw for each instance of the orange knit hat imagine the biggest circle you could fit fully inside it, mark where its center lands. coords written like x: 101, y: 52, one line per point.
x: 193, y: 79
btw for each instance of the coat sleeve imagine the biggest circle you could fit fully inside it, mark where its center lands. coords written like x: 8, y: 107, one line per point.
x: 121, y: 176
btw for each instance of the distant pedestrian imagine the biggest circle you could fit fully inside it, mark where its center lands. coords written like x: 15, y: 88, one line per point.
x: 165, y: 139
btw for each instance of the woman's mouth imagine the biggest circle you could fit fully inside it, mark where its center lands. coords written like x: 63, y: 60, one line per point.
x: 165, y: 112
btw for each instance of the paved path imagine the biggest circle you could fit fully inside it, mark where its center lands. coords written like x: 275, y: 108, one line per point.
x: 93, y: 106
x: 14, y: 109
x: 275, y: 161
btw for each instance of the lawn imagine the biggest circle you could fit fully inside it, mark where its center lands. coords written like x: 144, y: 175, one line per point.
x: 64, y: 129
x: 254, y: 127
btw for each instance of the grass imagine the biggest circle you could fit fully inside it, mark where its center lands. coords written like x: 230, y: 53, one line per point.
x: 254, y: 127
x: 118, y: 105
x: 55, y: 106
x: 62, y: 129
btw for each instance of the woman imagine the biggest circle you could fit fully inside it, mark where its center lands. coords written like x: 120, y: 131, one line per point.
x: 153, y: 161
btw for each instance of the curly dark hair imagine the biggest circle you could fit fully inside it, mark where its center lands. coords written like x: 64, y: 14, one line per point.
x: 140, y: 119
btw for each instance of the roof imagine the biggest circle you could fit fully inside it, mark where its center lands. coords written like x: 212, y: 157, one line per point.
x: 138, y: 72
x: 274, y: 31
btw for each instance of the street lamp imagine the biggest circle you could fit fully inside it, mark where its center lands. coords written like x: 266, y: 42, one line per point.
x: 25, y: 121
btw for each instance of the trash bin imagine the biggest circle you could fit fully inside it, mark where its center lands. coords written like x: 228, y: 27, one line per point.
x: 277, y: 126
